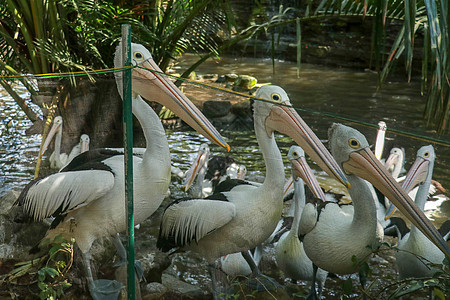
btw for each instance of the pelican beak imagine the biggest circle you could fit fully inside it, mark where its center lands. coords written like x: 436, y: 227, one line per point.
x: 50, y: 136
x: 192, y: 173
x: 364, y: 164
x: 286, y: 120
x: 84, y: 145
x: 379, y: 144
x: 288, y: 186
x: 301, y: 169
x: 416, y: 175
x: 157, y: 87
x: 241, y: 172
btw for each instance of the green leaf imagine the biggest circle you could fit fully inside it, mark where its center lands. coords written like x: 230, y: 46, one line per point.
x: 347, y: 286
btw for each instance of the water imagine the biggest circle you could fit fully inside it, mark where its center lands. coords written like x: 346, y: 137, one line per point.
x: 320, y: 88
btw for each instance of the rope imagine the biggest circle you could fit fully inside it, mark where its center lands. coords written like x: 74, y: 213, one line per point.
x: 68, y: 74
x: 311, y: 111
x: 416, y: 136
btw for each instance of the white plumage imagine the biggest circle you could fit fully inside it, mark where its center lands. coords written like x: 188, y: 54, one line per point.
x: 415, y: 245
x: 338, y: 235
x: 289, y: 253
x: 258, y: 208
x: 88, y: 194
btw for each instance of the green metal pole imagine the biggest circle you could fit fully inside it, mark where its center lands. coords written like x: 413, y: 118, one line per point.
x: 128, y: 146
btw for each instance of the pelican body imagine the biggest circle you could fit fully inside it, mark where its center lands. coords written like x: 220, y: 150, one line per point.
x: 289, y: 253
x: 240, y: 215
x: 333, y: 238
x: 57, y: 159
x: 415, y: 245
x: 87, y: 196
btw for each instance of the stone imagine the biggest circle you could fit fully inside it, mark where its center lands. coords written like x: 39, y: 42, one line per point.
x: 247, y: 82
x: 216, y: 109
x: 181, y: 289
x: 7, y: 201
x: 242, y: 108
x: 154, y: 263
x: 154, y: 291
x: 231, y: 78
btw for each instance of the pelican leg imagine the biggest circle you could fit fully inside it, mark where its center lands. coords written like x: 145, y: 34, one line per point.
x: 100, y: 289
x: 260, y: 281
x: 122, y: 253
x: 312, y: 293
x: 218, y: 290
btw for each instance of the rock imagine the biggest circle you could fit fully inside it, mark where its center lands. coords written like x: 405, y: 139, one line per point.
x: 182, y: 289
x: 7, y: 201
x: 154, y: 291
x: 154, y: 263
x: 247, y: 82
x: 231, y: 78
x: 242, y: 108
x: 211, y: 76
x: 216, y: 109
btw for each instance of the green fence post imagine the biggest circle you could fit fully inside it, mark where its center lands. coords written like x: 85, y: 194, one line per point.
x: 128, y: 147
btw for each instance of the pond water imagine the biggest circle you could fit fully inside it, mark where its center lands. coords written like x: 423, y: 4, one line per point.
x: 338, y: 91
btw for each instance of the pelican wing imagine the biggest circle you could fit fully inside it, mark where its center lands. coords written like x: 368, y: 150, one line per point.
x: 190, y: 220
x: 229, y: 184
x: 60, y: 193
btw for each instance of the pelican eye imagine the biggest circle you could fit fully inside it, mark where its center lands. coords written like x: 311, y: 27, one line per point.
x: 426, y: 154
x: 353, y: 143
x: 276, y: 97
x: 138, y: 55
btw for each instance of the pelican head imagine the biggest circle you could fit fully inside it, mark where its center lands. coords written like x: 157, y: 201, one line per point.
x: 396, y: 156
x: 57, y: 127
x: 84, y: 143
x: 149, y: 81
x: 279, y: 115
x: 420, y: 171
x: 351, y: 150
x: 301, y: 169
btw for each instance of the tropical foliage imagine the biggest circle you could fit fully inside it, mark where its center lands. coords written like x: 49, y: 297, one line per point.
x: 427, y: 19
x: 77, y: 35
x: 55, y: 36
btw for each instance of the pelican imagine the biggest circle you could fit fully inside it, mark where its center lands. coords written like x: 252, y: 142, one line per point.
x: 210, y: 172
x: 415, y: 245
x: 379, y: 141
x: 289, y: 253
x: 395, y: 163
x: 87, y: 196
x: 335, y: 237
x: 57, y: 159
x: 243, y: 215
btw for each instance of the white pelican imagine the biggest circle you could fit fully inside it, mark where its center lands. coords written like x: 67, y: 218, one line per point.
x: 415, y: 245
x: 332, y: 239
x: 87, y: 196
x: 242, y: 216
x: 379, y: 141
x: 289, y: 253
x: 57, y: 159
x: 395, y: 163
x: 208, y: 172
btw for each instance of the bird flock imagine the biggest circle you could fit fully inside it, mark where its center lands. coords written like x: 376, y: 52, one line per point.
x: 227, y: 219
